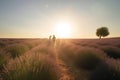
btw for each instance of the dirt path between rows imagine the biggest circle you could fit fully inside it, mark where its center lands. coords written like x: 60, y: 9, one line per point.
x: 66, y: 74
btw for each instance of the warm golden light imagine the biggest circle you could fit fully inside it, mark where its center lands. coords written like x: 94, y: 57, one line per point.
x: 63, y: 29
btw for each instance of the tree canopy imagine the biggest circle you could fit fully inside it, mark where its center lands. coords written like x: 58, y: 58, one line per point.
x: 102, y: 32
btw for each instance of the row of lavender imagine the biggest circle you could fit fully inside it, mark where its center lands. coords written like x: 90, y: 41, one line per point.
x: 85, y: 59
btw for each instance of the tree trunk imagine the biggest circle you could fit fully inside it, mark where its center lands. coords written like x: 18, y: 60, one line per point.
x: 100, y: 37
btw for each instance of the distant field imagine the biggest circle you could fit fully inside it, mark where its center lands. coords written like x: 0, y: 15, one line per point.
x: 67, y: 59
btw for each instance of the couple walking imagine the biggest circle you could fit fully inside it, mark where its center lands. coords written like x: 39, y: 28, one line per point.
x: 52, y: 40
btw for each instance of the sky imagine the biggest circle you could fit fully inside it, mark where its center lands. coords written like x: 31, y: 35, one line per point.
x: 37, y: 18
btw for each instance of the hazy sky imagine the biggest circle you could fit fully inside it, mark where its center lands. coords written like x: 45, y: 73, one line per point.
x: 37, y: 18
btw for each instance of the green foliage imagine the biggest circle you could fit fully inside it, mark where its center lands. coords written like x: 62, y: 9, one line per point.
x: 112, y: 52
x: 82, y: 58
x: 2, y: 61
x: 31, y: 67
x: 107, y: 71
x: 31, y: 44
x: 89, y: 58
x: 2, y: 44
x: 16, y: 50
x: 66, y: 54
x: 102, y: 32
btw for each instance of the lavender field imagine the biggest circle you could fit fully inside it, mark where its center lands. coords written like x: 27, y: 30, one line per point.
x: 68, y: 59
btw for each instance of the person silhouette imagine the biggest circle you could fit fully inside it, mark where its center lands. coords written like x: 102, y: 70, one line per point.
x: 50, y: 37
x: 54, y: 40
x: 49, y: 40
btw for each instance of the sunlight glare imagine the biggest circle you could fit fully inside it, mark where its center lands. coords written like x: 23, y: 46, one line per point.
x: 63, y: 29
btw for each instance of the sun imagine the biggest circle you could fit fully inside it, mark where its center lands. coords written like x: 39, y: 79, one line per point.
x: 63, y: 29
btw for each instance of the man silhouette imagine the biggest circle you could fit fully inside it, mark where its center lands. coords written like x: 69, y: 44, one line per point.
x: 54, y: 40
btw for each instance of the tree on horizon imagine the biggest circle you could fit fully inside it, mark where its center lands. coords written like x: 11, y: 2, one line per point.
x: 102, y: 32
